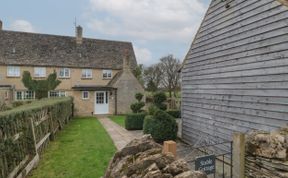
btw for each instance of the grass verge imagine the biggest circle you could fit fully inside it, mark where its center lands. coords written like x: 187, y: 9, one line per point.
x: 82, y: 149
x: 120, y: 120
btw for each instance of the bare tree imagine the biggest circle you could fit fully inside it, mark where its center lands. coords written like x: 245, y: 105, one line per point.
x: 153, y: 76
x: 169, y: 66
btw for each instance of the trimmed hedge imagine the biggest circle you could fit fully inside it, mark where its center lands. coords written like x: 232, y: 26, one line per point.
x: 174, y: 113
x: 16, y: 130
x: 161, y: 126
x: 134, y: 121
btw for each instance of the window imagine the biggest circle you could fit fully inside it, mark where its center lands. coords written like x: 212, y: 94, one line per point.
x: 64, y: 73
x: 56, y: 94
x: 13, y: 71
x: 85, y: 95
x: 107, y: 74
x: 86, y: 73
x: 25, y: 95
x: 100, y: 98
x: 39, y: 72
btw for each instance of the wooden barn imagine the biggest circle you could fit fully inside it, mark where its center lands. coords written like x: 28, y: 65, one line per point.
x: 235, y: 75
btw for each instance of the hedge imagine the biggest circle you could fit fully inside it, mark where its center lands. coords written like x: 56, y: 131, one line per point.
x: 174, y: 113
x: 134, y: 121
x: 42, y: 117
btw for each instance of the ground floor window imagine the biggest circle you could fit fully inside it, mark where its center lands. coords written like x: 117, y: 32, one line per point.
x: 56, y: 94
x: 85, y: 95
x: 25, y: 95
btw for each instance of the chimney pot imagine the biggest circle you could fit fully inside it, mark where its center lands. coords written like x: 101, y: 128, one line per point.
x: 79, y: 35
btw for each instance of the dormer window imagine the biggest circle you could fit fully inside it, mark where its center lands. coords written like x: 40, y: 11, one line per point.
x: 39, y: 72
x: 13, y: 71
x: 107, y: 74
x: 64, y: 73
x: 86, y: 73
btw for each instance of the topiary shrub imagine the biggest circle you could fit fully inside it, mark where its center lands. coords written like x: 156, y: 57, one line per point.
x: 137, y: 107
x: 152, y: 109
x: 134, y: 121
x: 161, y: 126
x: 174, y: 113
x: 158, y: 99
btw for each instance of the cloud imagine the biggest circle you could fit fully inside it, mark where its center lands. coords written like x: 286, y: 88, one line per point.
x: 143, y: 55
x: 172, y: 20
x: 22, y: 25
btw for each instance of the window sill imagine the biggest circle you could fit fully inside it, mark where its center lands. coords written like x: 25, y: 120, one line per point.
x: 106, y: 78
x: 13, y: 76
x: 86, y: 78
x: 64, y: 78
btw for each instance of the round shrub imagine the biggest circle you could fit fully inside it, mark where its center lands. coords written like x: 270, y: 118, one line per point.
x: 134, y: 121
x: 161, y: 126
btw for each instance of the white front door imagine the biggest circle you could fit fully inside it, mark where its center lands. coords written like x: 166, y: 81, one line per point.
x: 101, y: 102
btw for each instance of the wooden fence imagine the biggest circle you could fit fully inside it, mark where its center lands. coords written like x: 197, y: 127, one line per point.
x: 26, y: 131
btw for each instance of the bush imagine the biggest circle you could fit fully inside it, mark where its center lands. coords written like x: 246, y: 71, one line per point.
x: 134, y: 121
x: 137, y: 107
x: 159, y: 99
x: 161, y: 126
x: 17, y: 103
x: 152, y: 109
x: 174, y: 113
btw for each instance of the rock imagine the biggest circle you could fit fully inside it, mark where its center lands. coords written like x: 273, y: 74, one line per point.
x: 144, y: 158
x: 190, y: 174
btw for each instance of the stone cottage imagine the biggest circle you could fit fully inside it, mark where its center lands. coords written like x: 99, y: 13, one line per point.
x: 234, y: 77
x: 97, y: 73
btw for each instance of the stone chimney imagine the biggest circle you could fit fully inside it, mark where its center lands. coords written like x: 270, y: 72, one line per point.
x: 79, y: 35
x: 1, y: 25
x: 126, y: 65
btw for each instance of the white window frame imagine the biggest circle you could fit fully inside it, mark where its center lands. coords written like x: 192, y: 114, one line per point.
x: 83, y: 95
x: 39, y: 72
x: 24, y: 95
x: 86, y: 73
x: 107, y: 74
x: 13, y: 71
x: 65, y: 73
x: 57, y: 94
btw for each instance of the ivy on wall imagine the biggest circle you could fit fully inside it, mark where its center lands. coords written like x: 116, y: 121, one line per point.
x: 40, y: 87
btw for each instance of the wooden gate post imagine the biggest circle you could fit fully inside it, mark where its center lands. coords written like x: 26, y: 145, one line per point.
x: 169, y: 146
x: 238, y: 155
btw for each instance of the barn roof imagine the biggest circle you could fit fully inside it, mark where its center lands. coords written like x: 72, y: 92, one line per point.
x: 21, y: 48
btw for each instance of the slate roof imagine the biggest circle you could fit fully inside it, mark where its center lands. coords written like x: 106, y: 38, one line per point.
x: 21, y: 48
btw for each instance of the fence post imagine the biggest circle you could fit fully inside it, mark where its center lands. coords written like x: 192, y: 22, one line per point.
x: 238, y: 155
x: 169, y: 146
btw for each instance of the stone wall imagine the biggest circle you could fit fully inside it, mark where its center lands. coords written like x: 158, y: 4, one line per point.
x: 267, y: 154
x: 144, y: 158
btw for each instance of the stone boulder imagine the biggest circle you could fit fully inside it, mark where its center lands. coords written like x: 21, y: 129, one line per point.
x: 143, y: 158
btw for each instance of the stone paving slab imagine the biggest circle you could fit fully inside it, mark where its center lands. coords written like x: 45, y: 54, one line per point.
x: 118, y: 134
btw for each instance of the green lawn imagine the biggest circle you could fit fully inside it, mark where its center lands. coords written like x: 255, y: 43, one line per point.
x: 82, y: 149
x: 120, y: 120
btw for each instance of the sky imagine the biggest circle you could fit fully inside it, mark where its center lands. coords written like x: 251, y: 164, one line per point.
x: 155, y: 27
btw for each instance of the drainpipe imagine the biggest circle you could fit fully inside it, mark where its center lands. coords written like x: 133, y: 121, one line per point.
x: 116, y: 112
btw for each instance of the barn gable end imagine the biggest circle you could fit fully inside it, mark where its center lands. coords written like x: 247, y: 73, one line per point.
x: 235, y: 76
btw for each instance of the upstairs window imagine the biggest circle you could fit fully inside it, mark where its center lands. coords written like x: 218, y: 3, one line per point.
x: 13, y: 71
x: 39, y: 72
x: 107, y: 74
x: 86, y: 73
x: 64, y: 73
x: 56, y: 94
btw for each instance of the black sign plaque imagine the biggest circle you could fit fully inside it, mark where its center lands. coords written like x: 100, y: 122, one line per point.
x: 206, y: 164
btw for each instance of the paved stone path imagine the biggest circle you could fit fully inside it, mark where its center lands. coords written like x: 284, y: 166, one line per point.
x: 119, y: 135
